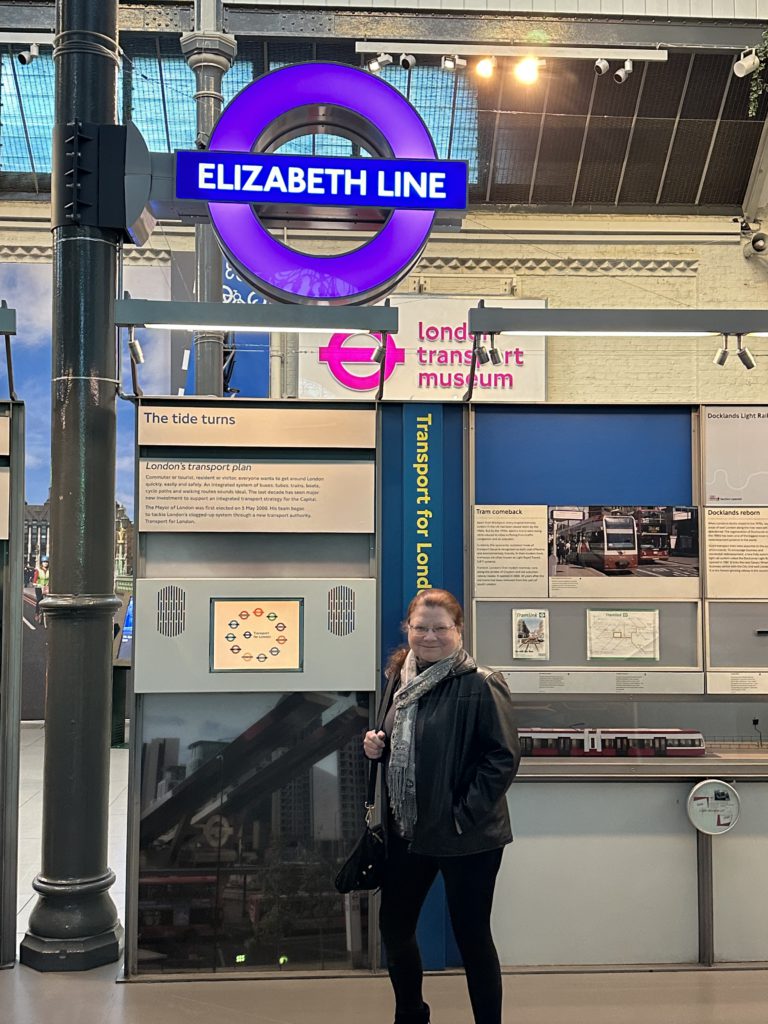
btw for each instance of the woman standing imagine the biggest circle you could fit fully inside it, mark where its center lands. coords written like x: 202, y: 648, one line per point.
x: 450, y: 752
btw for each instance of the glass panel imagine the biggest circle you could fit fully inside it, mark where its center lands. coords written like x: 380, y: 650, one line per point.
x: 249, y: 805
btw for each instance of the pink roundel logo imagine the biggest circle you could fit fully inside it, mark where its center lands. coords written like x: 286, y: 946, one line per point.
x: 336, y: 354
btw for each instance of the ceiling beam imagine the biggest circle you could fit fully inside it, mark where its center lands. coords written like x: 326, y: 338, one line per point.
x: 247, y: 19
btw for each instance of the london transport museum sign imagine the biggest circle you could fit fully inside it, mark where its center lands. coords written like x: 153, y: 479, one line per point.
x: 404, y: 177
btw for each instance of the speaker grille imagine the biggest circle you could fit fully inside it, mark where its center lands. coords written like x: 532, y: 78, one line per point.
x: 341, y: 611
x: 171, y: 611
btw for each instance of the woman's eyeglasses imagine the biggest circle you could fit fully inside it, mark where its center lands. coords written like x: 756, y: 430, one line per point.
x: 437, y: 630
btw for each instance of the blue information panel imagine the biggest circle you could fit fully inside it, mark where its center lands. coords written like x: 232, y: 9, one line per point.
x: 321, y: 181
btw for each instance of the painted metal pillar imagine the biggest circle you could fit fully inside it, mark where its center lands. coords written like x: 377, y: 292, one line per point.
x: 210, y: 53
x: 74, y: 925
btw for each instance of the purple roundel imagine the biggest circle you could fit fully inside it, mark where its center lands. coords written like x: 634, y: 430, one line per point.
x: 373, y: 269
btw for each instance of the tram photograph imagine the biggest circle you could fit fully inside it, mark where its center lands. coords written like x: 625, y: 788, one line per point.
x: 588, y: 540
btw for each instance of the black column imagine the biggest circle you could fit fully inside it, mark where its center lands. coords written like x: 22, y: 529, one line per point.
x: 74, y: 925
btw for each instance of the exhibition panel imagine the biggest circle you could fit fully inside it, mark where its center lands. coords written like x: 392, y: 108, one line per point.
x: 255, y: 660
x: 635, y: 653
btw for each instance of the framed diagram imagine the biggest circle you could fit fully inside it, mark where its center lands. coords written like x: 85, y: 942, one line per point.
x: 257, y: 634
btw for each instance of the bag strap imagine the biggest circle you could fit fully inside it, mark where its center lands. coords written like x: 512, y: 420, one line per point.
x: 370, y: 800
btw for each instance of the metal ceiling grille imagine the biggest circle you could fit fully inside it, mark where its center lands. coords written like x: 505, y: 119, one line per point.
x: 676, y: 135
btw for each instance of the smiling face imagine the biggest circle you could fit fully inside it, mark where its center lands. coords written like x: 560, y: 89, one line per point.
x: 432, y: 633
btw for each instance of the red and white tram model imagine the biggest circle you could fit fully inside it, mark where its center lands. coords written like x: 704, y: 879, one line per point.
x: 611, y: 743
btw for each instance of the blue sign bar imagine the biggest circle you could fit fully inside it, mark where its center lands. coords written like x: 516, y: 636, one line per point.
x: 217, y: 177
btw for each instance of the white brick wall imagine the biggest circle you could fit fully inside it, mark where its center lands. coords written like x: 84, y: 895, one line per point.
x: 619, y: 370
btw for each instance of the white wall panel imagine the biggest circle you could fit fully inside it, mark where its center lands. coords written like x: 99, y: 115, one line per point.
x: 600, y: 873
x: 740, y: 893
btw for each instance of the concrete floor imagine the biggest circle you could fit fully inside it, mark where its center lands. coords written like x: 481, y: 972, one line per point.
x: 97, y: 997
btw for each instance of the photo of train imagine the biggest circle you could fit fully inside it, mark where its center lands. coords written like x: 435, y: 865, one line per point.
x: 536, y: 742
x: 612, y: 540
x: 605, y: 542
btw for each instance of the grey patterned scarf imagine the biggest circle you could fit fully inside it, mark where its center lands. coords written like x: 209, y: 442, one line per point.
x: 401, y: 771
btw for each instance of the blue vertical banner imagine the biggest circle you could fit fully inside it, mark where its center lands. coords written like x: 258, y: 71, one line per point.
x: 423, y: 506
x: 422, y: 546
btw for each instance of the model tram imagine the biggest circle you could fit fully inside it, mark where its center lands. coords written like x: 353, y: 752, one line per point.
x: 611, y: 743
x: 607, y: 542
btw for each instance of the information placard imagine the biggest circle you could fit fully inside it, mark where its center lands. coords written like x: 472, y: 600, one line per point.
x: 737, y: 552
x: 229, y: 496
x: 510, y: 550
x: 605, y: 682
x: 737, y: 682
x: 230, y: 425
x: 256, y: 635
x: 735, y: 442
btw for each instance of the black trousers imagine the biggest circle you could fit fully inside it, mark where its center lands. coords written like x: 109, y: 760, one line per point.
x: 469, y: 885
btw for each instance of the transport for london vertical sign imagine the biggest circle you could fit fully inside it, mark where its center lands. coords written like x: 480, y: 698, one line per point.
x: 240, y: 172
x: 422, y: 499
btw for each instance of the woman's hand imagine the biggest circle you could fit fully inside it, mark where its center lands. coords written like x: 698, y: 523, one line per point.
x: 374, y: 743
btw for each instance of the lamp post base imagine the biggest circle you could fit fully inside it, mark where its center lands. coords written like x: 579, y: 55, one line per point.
x: 71, y: 954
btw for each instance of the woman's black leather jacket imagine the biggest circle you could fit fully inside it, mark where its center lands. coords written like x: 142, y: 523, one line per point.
x: 467, y: 754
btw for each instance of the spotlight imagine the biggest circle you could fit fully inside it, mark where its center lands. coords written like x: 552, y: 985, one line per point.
x: 623, y: 73
x: 380, y: 351
x: 134, y: 348
x: 721, y: 355
x: 747, y: 64
x: 452, y: 62
x: 482, y: 354
x: 407, y: 61
x: 27, y: 56
x: 602, y: 67
x: 485, y: 67
x: 495, y: 355
x: 744, y: 354
x: 527, y: 70
x: 378, y: 62
x: 756, y: 246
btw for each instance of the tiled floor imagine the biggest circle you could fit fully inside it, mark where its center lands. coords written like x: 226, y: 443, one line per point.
x: 93, y: 997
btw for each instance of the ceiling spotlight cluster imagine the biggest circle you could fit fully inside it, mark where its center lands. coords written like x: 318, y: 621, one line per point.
x: 407, y: 61
x: 746, y: 357
x: 602, y: 67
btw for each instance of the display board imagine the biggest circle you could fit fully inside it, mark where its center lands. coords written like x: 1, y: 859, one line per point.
x: 591, y: 583
x: 255, y: 658
x: 643, y: 591
x: 582, y: 635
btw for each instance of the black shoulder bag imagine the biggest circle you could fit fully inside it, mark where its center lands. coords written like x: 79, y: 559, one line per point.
x: 364, y: 867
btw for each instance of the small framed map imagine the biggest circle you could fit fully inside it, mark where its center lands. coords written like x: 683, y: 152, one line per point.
x: 623, y: 634
x: 257, y: 634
